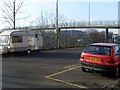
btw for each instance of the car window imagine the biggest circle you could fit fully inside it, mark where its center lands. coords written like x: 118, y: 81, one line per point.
x: 101, y: 50
x: 116, y: 50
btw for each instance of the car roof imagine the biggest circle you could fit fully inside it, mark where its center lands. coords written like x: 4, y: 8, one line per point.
x: 105, y: 44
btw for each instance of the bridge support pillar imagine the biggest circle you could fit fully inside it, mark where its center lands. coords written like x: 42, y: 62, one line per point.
x: 106, y: 35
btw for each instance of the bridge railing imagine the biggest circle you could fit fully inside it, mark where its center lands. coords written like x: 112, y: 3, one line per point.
x: 84, y: 23
x: 92, y: 23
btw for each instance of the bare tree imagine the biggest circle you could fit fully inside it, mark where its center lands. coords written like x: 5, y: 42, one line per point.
x: 11, y: 9
x: 48, y: 19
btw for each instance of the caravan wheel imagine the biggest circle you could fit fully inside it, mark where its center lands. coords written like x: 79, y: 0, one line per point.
x: 28, y: 51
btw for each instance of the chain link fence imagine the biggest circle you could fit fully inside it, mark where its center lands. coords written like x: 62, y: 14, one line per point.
x: 72, y: 38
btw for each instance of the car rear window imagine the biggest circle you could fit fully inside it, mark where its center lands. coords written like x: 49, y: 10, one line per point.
x: 100, y: 50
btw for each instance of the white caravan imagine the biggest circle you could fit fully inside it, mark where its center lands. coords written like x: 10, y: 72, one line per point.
x: 20, y: 40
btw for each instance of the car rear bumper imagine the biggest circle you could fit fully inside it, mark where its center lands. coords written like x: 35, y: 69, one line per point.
x: 98, y: 67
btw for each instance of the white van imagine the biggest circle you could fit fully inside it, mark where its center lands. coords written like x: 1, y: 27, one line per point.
x: 20, y: 40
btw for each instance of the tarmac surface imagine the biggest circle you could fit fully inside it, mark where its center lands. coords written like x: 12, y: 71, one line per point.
x: 51, y: 69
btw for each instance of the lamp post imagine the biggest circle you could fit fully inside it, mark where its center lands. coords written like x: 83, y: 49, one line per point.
x: 57, y: 29
x: 89, y: 12
x: 14, y: 14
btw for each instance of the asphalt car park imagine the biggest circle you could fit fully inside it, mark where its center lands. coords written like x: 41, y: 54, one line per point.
x: 51, y: 69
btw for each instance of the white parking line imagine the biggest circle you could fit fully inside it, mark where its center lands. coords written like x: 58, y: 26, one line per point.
x: 62, y: 81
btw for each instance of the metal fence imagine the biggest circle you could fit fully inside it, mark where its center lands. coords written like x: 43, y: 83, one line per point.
x: 72, y: 38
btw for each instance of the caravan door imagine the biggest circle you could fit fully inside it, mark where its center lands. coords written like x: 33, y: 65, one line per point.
x: 38, y: 40
x: 31, y: 42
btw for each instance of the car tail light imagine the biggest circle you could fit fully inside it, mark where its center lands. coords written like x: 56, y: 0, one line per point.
x: 110, y: 60
x: 82, y: 57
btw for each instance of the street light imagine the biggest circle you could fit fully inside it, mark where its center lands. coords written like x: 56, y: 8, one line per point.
x: 57, y: 14
x: 89, y: 12
x: 57, y: 29
x: 14, y: 13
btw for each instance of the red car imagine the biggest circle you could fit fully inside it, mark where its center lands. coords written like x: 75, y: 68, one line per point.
x: 101, y: 57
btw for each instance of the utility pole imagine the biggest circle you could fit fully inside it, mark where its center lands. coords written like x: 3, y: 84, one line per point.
x: 14, y: 13
x: 88, y: 20
x: 89, y: 12
x: 57, y: 29
x: 42, y: 18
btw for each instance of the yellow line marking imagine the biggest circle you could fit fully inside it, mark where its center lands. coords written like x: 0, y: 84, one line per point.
x: 63, y: 71
x: 58, y: 80
x: 62, y: 81
x: 70, y: 66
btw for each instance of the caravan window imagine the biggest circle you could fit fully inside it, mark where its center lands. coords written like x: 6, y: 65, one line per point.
x: 17, y: 39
